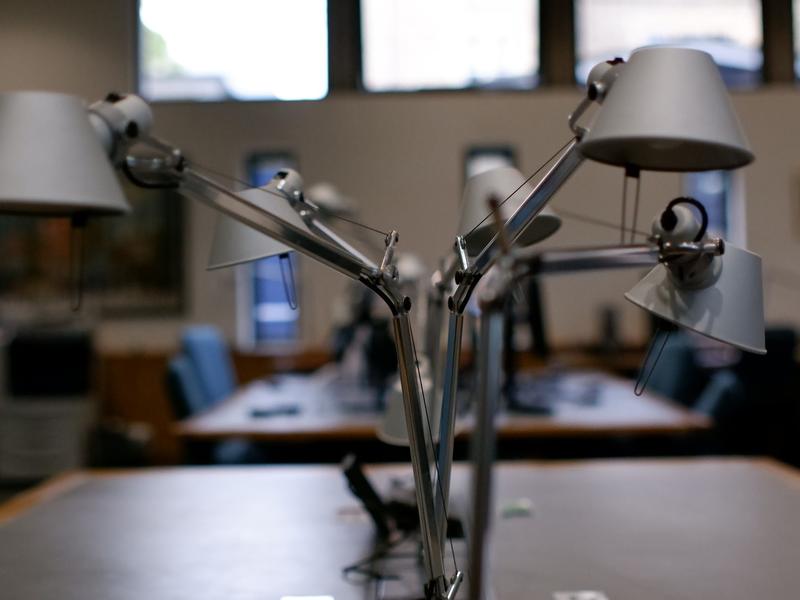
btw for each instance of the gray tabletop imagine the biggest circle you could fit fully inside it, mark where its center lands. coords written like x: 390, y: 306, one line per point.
x: 660, y: 530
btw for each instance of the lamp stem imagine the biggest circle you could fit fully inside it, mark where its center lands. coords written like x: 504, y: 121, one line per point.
x: 447, y: 425
x: 421, y: 452
x: 483, y: 449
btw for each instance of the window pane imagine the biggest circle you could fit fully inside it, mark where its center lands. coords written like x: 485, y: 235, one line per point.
x: 449, y: 44
x: 796, y: 33
x: 729, y: 30
x: 233, y: 50
x: 712, y: 189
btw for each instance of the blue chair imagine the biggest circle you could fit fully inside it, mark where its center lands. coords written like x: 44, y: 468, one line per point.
x: 205, y: 347
x: 186, y: 395
x: 187, y: 399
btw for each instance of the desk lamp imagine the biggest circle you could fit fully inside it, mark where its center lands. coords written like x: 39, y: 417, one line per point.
x: 56, y: 158
x: 699, y: 282
x: 666, y: 109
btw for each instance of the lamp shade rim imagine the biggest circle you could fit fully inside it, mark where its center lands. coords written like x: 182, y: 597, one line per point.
x: 626, y: 150
x: 749, y: 348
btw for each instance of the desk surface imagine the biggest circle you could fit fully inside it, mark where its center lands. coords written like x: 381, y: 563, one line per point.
x: 661, y: 530
x: 331, y: 412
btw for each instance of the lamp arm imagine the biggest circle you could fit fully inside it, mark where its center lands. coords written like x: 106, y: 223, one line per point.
x: 586, y: 259
x: 310, y: 217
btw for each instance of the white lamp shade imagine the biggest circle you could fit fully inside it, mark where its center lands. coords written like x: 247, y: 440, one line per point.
x: 668, y: 111
x: 51, y: 160
x: 499, y: 183
x: 236, y: 243
x: 730, y: 310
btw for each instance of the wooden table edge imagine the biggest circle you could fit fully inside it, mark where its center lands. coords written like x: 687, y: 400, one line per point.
x: 40, y: 494
x: 61, y: 484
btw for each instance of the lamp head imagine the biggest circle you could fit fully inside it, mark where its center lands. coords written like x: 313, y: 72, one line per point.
x: 235, y: 243
x: 499, y: 183
x: 666, y: 109
x: 52, y: 162
x: 717, y: 294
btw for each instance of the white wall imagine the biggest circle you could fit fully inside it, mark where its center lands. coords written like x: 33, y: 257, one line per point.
x: 401, y: 157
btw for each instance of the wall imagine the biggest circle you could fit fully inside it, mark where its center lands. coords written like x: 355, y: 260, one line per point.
x: 401, y: 158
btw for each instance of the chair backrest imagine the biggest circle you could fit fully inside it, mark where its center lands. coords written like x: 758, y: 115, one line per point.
x: 185, y: 392
x: 205, y: 347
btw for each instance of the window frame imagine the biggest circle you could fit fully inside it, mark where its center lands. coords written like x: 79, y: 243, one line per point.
x: 557, y: 52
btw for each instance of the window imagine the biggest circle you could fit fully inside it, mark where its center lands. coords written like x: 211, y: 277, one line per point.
x: 722, y: 194
x: 233, y: 50
x: 412, y: 45
x: 796, y: 33
x: 729, y: 30
x: 266, y: 314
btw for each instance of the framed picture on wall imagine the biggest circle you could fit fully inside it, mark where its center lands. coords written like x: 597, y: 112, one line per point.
x: 125, y: 266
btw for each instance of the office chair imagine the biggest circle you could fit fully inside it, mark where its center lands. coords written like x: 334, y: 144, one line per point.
x: 206, y: 349
x: 185, y: 391
x: 187, y: 398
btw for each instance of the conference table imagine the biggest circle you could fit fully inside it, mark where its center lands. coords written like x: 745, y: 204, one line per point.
x: 710, y: 529
x: 583, y: 404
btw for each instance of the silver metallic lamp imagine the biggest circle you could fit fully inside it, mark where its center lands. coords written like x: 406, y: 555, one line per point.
x: 52, y: 162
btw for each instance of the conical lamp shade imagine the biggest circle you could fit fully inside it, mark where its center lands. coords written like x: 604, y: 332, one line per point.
x: 235, y: 243
x: 668, y: 111
x: 51, y: 161
x: 730, y: 310
x: 499, y: 183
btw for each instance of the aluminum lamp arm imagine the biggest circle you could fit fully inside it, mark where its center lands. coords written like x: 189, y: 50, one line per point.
x: 587, y: 259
